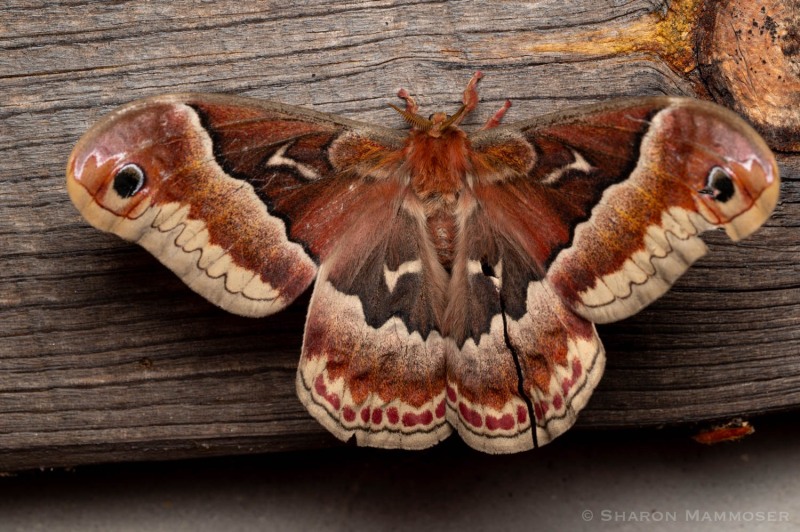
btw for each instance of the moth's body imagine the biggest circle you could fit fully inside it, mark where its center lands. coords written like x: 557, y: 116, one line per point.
x: 458, y: 276
x: 438, y: 168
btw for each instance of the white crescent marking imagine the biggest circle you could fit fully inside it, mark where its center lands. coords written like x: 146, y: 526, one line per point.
x: 279, y: 159
x: 580, y: 164
x: 392, y: 276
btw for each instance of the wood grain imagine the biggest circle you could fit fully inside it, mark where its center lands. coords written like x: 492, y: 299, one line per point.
x: 105, y: 355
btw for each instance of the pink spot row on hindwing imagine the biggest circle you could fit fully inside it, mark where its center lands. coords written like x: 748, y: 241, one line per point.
x: 376, y: 415
x: 493, y: 423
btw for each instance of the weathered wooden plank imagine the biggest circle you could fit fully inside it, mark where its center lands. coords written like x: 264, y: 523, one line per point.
x: 105, y: 355
x: 748, y: 58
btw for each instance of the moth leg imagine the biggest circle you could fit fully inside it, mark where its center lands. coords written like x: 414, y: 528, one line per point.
x: 411, y: 104
x: 496, y: 118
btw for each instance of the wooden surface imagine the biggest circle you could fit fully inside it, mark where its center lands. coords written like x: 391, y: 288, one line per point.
x: 105, y: 355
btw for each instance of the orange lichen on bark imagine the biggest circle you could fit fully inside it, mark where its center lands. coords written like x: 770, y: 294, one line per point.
x: 744, y: 54
x: 669, y: 35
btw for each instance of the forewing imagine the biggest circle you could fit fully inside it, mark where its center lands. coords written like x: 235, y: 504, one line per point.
x: 241, y: 198
x: 609, y: 199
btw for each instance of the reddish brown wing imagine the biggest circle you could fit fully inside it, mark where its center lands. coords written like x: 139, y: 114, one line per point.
x: 614, y: 197
x: 373, y: 362
x: 587, y: 217
x: 519, y: 354
x: 241, y: 198
x: 248, y: 201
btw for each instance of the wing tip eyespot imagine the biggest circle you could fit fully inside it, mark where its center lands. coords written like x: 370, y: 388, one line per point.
x: 719, y: 185
x: 129, y: 180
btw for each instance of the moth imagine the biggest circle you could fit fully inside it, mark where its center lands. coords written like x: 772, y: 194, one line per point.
x: 458, y: 276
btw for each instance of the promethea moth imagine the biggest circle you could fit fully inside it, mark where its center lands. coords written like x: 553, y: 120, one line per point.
x: 458, y: 275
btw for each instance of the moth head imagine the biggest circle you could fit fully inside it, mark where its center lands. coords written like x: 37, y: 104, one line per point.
x: 115, y: 171
x: 438, y: 123
x: 435, y: 124
x: 731, y: 170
